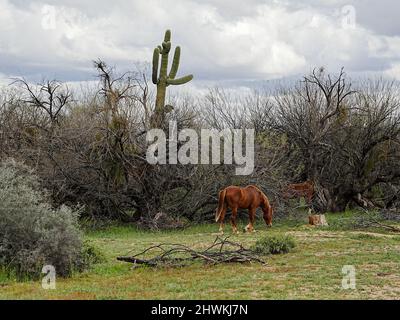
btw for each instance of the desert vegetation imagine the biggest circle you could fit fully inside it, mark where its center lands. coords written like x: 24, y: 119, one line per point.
x: 74, y: 160
x: 88, y: 148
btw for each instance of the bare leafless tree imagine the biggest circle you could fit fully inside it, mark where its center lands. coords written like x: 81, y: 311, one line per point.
x: 334, y: 132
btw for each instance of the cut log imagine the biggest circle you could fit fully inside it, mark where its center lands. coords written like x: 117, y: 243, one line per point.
x: 317, y: 220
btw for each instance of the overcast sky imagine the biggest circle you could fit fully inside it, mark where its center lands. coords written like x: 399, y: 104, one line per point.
x: 223, y: 41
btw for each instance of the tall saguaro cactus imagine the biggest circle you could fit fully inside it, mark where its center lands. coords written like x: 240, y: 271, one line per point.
x: 160, y: 76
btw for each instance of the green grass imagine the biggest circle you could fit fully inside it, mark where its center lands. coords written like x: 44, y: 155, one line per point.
x: 312, y: 270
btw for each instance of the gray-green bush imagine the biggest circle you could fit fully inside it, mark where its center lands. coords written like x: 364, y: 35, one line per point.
x: 274, y: 245
x: 32, y: 232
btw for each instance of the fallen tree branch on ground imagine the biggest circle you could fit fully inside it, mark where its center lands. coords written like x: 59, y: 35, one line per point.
x: 379, y: 220
x: 385, y: 226
x: 221, y: 251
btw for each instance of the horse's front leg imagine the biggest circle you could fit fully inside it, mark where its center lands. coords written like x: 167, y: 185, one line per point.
x: 233, y: 221
x: 252, y: 217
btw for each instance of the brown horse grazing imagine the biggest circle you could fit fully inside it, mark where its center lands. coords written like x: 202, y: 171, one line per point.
x: 249, y: 198
x: 297, y: 190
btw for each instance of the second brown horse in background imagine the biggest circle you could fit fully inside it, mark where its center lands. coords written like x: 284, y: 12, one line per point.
x: 249, y: 198
x: 298, y: 190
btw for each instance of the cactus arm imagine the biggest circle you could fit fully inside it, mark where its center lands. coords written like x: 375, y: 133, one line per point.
x: 175, y: 63
x: 181, y: 80
x: 156, y: 58
x: 167, y: 36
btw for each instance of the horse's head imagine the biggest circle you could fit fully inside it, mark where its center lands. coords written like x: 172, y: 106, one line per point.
x: 268, y: 212
x: 268, y: 216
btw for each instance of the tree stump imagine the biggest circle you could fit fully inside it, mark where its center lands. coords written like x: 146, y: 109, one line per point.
x: 317, y: 220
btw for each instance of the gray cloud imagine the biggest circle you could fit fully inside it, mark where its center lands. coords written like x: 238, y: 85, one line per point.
x: 226, y: 41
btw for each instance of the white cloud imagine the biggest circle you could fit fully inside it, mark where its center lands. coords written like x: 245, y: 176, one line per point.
x: 394, y: 72
x: 221, y: 40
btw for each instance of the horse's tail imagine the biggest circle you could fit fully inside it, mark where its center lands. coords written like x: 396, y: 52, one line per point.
x: 221, y: 204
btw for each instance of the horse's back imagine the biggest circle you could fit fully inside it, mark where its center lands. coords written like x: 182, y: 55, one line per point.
x: 253, y: 188
x: 233, y: 195
x: 249, y: 196
x: 305, y: 186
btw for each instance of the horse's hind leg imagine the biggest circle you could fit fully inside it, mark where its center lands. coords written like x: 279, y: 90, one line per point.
x: 252, y: 217
x: 233, y: 220
x: 221, y: 221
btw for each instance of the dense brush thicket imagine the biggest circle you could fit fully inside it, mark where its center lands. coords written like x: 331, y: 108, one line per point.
x: 33, y: 233
x: 90, y: 148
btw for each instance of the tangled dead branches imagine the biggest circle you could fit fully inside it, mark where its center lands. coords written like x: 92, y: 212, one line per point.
x: 382, y: 219
x: 177, y: 255
x: 374, y: 222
